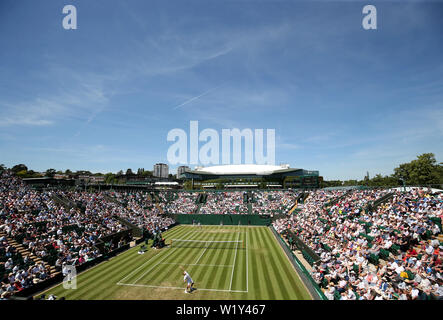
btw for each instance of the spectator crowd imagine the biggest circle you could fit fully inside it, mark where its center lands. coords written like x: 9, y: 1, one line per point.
x: 390, y: 252
x: 364, y: 251
x: 59, y: 228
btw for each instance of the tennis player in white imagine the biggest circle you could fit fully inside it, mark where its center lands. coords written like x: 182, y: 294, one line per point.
x: 187, y: 278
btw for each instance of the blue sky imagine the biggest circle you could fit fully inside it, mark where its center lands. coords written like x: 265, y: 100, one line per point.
x: 342, y: 100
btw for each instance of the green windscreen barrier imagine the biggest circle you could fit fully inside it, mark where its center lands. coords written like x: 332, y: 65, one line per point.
x: 225, y: 219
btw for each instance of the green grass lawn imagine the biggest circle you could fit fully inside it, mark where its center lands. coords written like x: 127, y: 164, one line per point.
x: 257, y: 268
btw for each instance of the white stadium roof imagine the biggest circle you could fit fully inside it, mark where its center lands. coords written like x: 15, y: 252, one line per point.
x: 258, y: 169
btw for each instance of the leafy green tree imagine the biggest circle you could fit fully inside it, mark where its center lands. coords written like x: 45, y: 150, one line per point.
x: 22, y: 174
x: 83, y: 173
x: 18, y: 168
x: 147, y: 173
x: 422, y: 171
x: 50, y: 173
x: 32, y: 174
x: 187, y: 185
x: 109, y: 178
x: 350, y: 183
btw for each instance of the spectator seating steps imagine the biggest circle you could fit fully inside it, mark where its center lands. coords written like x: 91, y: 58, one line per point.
x: 323, y: 220
x: 337, y: 295
x: 374, y: 259
x: 394, y: 249
x: 324, y: 283
x: 384, y: 254
x: 437, y: 221
x: 369, y: 238
x: 326, y: 247
x: 411, y: 275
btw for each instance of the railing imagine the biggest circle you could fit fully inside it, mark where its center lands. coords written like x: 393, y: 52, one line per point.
x: 136, y: 231
x: 303, y: 272
x: 313, y: 257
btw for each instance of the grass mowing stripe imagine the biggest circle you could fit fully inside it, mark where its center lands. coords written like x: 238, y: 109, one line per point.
x: 164, y: 253
x: 97, y: 272
x: 287, y: 275
x: 267, y: 277
x: 116, y: 272
x: 91, y: 275
x: 161, y: 273
x: 198, y: 271
x: 275, y: 264
x: 240, y: 274
x: 206, y: 247
x: 270, y: 272
x: 255, y: 285
x: 107, y: 278
x: 207, y: 277
x: 233, y: 264
x: 288, y: 271
x: 214, y: 281
x: 95, y: 284
x: 224, y: 275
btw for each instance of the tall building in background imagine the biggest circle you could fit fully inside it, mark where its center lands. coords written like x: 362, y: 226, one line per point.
x: 161, y: 170
x: 181, y: 170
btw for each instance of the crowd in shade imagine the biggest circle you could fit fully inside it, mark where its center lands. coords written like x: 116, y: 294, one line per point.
x: 383, y: 253
x: 229, y: 202
x: 53, y: 234
x: 273, y: 202
x: 224, y: 203
x: 182, y: 203
x: 138, y: 209
x: 363, y: 251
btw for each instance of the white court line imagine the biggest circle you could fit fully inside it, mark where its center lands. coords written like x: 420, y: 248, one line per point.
x: 137, y: 268
x: 203, y: 252
x: 181, y: 288
x: 233, y: 265
x: 247, y: 262
x: 203, y: 265
x: 143, y: 264
x: 203, y: 289
x: 172, y: 251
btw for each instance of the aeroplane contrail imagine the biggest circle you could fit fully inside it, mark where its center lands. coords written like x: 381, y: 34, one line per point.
x: 196, y: 97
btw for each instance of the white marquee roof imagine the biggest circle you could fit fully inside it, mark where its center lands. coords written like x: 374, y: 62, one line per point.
x: 258, y: 169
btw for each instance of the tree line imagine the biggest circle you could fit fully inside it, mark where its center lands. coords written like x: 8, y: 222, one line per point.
x: 423, y: 171
x: 22, y: 171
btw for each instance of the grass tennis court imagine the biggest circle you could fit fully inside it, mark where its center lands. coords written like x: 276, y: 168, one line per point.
x: 251, y: 265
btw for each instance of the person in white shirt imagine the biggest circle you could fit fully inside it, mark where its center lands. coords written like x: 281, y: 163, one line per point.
x: 414, y: 293
x: 189, y: 282
x: 429, y: 250
x: 351, y: 295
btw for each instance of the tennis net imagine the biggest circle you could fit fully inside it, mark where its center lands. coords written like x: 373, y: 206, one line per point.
x: 209, y: 244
